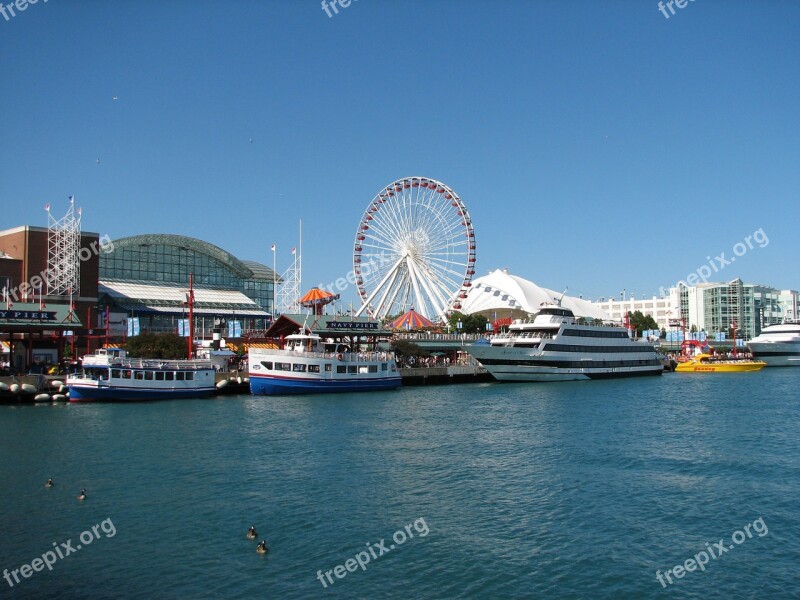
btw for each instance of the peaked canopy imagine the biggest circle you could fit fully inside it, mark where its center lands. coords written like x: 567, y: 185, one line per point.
x: 411, y: 320
x: 316, y: 298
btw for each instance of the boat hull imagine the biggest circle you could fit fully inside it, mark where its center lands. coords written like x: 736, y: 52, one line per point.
x: 511, y: 364
x: 777, y: 354
x: 78, y: 393
x: 261, y: 385
x: 691, y: 367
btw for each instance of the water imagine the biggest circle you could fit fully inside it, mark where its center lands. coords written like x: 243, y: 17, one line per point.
x: 569, y: 490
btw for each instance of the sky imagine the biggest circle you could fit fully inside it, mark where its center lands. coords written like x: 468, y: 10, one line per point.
x: 599, y: 146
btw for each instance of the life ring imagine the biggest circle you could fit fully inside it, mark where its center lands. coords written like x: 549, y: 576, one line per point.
x: 340, y: 356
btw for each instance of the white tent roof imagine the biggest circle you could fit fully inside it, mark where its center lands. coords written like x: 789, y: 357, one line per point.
x: 500, y: 291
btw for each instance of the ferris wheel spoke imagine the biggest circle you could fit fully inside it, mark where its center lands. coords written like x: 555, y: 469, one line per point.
x: 392, y: 270
x: 384, y: 307
x: 432, y: 287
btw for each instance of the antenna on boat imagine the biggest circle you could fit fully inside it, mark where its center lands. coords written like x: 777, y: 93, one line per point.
x: 560, y: 298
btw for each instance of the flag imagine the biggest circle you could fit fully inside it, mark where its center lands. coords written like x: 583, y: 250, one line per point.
x: 272, y: 247
x: 47, y: 206
x: 294, y: 250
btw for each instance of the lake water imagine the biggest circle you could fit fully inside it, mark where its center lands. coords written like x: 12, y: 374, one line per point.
x: 568, y: 490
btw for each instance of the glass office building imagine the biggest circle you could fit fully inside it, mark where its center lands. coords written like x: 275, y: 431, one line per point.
x: 147, y: 276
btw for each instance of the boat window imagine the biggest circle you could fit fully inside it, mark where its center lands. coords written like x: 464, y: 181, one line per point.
x: 341, y: 369
x: 299, y: 368
x: 138, y: 375
x: 352, y: 369
x: 373, y: 368
x: 384, y: 366
x: 328, y: 367
x: 179, y: 376
x: 189, y: 376
x: 115, y: 373
x: 169, y: 376
x: 126, y: 374
x: 148, y: 375
x: 159, y: 375
x: 313, y: 368
x: 267, y: 364
x: 279, y: 366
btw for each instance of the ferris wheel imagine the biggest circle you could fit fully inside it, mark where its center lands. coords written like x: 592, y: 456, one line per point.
x: 414, y: 248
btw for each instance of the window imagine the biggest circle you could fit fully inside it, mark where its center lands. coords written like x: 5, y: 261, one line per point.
x: 352, y: 369
x: 384, y: 366
x: 169, y: 376
x: 299, y: 368
x: 126, y: 374
x: 159, y: 376
x: 373, y: 368
x: 179, y: 376
x: 328, y: 367
x: 138, y: 375
x: 283, y: 366
x: 189, y: 376
x: 148, y: 375
x: 267, y: 364
x: 115, y: 373
x: 363, y: 369
x: 341, y: 369
x: 313, y: 368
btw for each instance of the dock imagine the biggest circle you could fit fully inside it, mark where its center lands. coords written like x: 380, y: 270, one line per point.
x: 444, y: 375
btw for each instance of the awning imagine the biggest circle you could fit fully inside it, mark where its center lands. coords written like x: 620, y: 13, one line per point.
x: 172, y: 299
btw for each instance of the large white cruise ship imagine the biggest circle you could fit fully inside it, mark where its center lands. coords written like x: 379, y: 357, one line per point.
x: 778, y: 345
x: 555, y: 346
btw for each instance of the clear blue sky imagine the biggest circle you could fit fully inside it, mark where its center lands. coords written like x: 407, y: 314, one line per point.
x: 597, y: 144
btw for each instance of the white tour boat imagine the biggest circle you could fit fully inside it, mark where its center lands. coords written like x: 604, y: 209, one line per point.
x: 308, y: 365
x: 110, y: 374
x: 555, y: 346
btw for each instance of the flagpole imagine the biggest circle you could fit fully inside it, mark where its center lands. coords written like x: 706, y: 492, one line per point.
x: 274, y: 283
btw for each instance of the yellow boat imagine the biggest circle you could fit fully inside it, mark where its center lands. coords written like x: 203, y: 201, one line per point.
x: 705, y: 363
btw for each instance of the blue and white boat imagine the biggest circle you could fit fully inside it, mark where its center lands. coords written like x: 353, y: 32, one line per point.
x: 307, y: 365
x: 110, y: 374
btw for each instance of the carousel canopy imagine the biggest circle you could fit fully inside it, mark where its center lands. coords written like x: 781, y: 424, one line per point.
x: 411, y: 320
x: 317, y: 296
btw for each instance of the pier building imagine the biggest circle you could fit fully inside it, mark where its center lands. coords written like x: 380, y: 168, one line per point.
x: 145, y: 278
x: 500, y: 295
x: 49, y: 301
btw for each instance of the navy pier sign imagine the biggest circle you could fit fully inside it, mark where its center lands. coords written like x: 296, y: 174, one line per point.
x: 351, y: 325
x: 27, y: 315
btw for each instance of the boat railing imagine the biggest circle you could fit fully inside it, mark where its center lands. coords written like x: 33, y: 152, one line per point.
x: 152, y: 363
x: 354, y: 357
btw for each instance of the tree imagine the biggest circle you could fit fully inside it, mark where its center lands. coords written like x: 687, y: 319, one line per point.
x: 157, y: 345
x: 640, y: 322
x: 469, y: 323
x: 408, y: 348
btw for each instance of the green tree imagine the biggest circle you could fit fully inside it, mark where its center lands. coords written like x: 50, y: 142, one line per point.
x: 157, y: 345
x: 408, y: 348
x: 469, y: 323
x: 640, y: 322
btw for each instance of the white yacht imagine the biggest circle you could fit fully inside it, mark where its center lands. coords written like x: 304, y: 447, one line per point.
x: 778, y: 345
x: 555, y: 346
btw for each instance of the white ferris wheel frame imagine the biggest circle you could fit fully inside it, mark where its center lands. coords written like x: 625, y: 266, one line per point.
x: 414, y: 248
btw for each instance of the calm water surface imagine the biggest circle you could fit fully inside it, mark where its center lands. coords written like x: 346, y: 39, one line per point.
x: 571, y: 490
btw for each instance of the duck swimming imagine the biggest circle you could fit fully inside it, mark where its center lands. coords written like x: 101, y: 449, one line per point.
x: 252, y: 533
x: 82, y: 495
x: 49, y: 483
x: 262, y: 547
